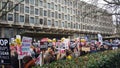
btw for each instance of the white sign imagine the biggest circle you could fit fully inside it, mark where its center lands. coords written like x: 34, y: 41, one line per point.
x: 100, y: 39
x: 66, y: 43
x: 25, y: 48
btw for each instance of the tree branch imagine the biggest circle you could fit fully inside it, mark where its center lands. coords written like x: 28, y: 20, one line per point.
x: 11, y: 9
x: 3, y: 7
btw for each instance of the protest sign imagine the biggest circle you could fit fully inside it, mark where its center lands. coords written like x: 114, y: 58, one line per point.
x: 86, y: 49
x: 66, y: 43
x: 4, y: 51
x: 25, y: 48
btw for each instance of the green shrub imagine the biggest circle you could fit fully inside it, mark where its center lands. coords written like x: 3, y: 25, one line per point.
x: 106, y: 59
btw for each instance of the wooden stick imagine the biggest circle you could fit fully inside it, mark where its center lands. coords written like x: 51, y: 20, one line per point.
x: 19, y: 63
x: 3, y: 66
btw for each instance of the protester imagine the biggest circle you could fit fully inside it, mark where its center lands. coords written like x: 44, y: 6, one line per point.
x: 61, y: 50
x: 14, y: 59
x: 28, y: 61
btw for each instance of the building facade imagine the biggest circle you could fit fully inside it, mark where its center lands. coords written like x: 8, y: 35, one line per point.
x: 53, y: 17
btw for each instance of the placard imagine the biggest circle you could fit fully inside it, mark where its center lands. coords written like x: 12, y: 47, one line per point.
x: 44, y: 45
x: 25, y: 48
x: 4, y: 51
x: 85, y: 48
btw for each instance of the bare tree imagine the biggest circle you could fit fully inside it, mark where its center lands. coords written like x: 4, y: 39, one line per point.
x: 112, y: 7
x: 8, y: 6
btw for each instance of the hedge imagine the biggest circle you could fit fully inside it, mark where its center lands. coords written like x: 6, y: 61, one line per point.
x: 106, y: 59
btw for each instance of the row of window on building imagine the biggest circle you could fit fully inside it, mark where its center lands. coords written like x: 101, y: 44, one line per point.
x: 36, y: 11
x: 47, y: 22
x: 44, y: 2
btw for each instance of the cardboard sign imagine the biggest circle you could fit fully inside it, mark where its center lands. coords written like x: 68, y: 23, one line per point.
x: 85, y: 48
x: 4, y: 51
x: 44, y: 45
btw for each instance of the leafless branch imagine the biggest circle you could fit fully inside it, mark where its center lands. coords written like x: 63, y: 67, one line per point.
x: 11, y: 8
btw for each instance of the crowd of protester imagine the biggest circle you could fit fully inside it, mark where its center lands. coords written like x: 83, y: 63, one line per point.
x: 55, y: 52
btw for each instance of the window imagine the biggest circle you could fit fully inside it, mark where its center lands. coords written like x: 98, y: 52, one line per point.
x: 52, y: 14
x: 45, y: 13
x: 52, y: 22
x: 49, y: 13
x: 31, y: 9
x: 32, y: 2
x: 55, y: 7
x: 32, y: 20
x: 21, y: 18
x: 68, y: 17
x: 65, y: 2
x: 26, y: 18
x: 36, y: 2
x: 16, y: 17
x: 21, y: 8
x: 56, y: 14
x: 59, y: 24
x: 4, y: 5
x: 79, y: 26
x: 45, y: 4
x: 71, y: 10
x: 45, y: 21
x: 41, y: 11
x: 8, y: 32
x: 52, y: 5
x: 41, y: 3
x: 4, y: 16
x: 49, y: 5
x: 70, y: 3
x: 59, y: 16
x: 10, y: 17
x: 63, y: 9
x: 10, y: 6
x: 49, y: 23
x: 56, y: 23
x: 27, y: 1
x: 26, y: 9
x: 74, y: 26
x: 17, y: 8
x: 65, y: 17
x: 62, y: 24
x: 41, y: 21
x: 65, y: 24
x: 36, y: 20
x: 69, y: 25
x: 59, y: 7
x: 36, y: 11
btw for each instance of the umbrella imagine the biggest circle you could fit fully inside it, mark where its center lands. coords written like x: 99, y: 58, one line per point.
x: 44, y: 40
x: 107, y: 43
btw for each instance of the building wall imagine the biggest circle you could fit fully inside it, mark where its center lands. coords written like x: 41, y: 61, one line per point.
x: 65, y: 14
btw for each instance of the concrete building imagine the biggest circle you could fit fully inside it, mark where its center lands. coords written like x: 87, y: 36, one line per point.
x: 53, y: 18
